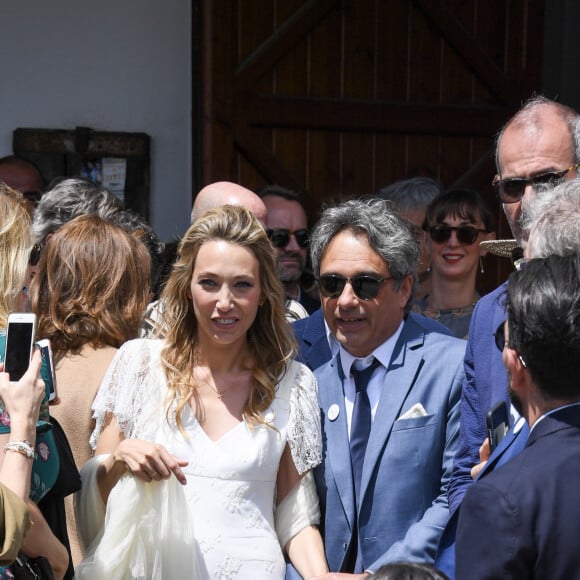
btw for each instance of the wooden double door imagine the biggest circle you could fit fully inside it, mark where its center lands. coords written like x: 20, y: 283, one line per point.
x: 337, y: 98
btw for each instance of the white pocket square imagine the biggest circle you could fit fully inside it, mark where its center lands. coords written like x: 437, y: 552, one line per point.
x: 417, y: 410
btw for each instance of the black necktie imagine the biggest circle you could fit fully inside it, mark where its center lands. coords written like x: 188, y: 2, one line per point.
x: 360, y: 425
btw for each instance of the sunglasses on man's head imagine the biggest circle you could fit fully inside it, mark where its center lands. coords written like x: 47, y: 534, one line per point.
x: 280, y: 237
x: 35, y: 255
x: 512, y: 190
x: 364, y: 286
x: 501, y: 342
x: 441, y: 233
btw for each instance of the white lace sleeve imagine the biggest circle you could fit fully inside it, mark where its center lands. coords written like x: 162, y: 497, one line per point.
x: 304, y: 433
x: 133, y: 385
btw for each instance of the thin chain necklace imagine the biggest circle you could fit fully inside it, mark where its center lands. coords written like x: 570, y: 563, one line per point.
x: 207, y: 382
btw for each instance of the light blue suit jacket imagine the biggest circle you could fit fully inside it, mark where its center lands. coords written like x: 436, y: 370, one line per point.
x: 403, y: 505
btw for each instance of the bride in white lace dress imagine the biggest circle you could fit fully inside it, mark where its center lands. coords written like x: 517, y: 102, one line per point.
x: 205, y: 441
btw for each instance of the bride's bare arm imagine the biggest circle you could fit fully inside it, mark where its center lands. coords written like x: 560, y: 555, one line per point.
x: 145, y: 460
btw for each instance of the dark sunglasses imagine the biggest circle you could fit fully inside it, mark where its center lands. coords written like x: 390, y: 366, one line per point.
x: 441, y: 233
x: 281, y: 237
x: 499, y: 336
x: 512, y: 190
x: 365, y: 287
x: 501, y: 343
x: 35, y: 254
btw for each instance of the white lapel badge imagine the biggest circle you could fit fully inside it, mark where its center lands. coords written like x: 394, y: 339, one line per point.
x: 333, y: 412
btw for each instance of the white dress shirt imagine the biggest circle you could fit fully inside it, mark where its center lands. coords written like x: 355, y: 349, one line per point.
x: 383, y: 354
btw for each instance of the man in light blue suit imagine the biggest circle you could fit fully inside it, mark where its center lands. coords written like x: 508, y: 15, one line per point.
x: 387, y: 503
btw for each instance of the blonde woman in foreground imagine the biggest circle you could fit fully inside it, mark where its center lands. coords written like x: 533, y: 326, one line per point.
x: 205, y: 441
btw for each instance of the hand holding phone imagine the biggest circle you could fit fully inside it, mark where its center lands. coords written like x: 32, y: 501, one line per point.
x: 497, y: 421
x: 19, y: 344
x: 47, y: 370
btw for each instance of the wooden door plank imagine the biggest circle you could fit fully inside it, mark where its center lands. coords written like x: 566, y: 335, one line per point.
x: 469, y: 50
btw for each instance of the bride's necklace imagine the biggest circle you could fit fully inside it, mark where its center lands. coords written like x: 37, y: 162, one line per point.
x: 212, y: 387
x: 219, y: 394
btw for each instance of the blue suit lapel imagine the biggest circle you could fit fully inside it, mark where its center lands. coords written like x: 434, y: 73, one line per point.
x: 512, y: 444
x: 330, y: 392
x: 403, y: 370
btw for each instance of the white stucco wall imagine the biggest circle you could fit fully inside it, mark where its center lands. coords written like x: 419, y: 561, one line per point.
x: 112, y: 65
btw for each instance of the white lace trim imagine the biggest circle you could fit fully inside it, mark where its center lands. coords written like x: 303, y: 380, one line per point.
x: 304, y: 431
x: 133, y: 389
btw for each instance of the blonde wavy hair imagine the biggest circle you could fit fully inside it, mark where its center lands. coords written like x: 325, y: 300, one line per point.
x: 270, y: 339
x: 92, y: 286
x: 15, y: 245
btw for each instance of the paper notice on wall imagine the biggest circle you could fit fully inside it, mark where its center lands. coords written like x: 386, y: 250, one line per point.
x: 114, y: 172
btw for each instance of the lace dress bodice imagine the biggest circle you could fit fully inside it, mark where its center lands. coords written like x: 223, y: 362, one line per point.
x: 231, y: 482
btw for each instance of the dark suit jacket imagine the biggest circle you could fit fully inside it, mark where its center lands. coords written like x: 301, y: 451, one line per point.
x: 511, y: 445
x: 309, y: 303
x: 521, y: 521
x: 402, y: 507
x: 485, y: 384
x: 313, y: 348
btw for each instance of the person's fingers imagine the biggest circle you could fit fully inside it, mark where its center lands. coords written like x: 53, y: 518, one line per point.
x: 34, y: 367
x: 151, y: 461
x: 476, y: 469
x: 485, y: 450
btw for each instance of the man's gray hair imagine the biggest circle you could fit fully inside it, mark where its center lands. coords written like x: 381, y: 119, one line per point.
x: 68, y: 199
x: 410, y: 194
x: 555, y: 225
x: 387, y: 234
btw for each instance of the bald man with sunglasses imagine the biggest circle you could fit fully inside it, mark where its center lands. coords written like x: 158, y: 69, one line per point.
x: 537, y: 149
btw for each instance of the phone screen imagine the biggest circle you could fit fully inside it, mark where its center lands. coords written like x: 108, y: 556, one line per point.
x: 18, y: 346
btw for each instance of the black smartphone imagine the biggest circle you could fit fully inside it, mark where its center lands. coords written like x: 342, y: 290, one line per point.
x: 497, y: 421
x: 19, y: 344
x: 47, y: 368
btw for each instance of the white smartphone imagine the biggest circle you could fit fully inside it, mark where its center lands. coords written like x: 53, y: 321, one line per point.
x: 47, y: 369
x: 19, y: 344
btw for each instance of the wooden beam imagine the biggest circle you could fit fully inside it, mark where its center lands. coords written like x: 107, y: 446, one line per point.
x: 370, y: 116
x: 269, y: 166
x: 263, y: 59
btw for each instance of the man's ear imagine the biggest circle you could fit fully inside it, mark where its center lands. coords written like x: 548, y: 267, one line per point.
x: 515, y: 367
x: 405, y: 290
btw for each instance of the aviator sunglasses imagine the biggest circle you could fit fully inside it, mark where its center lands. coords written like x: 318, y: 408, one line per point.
x: 364, y: 286
x: 441, y: 233
x: 512, y: 190
x: 281, y: 237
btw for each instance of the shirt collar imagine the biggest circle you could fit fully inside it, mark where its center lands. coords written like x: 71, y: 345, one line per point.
x: 382, y: 353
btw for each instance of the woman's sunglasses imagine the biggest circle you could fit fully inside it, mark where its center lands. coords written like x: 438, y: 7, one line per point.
x: 512, y: 190
x: 280, y: 238
x: 441, y: 233
x: 365, y: 287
